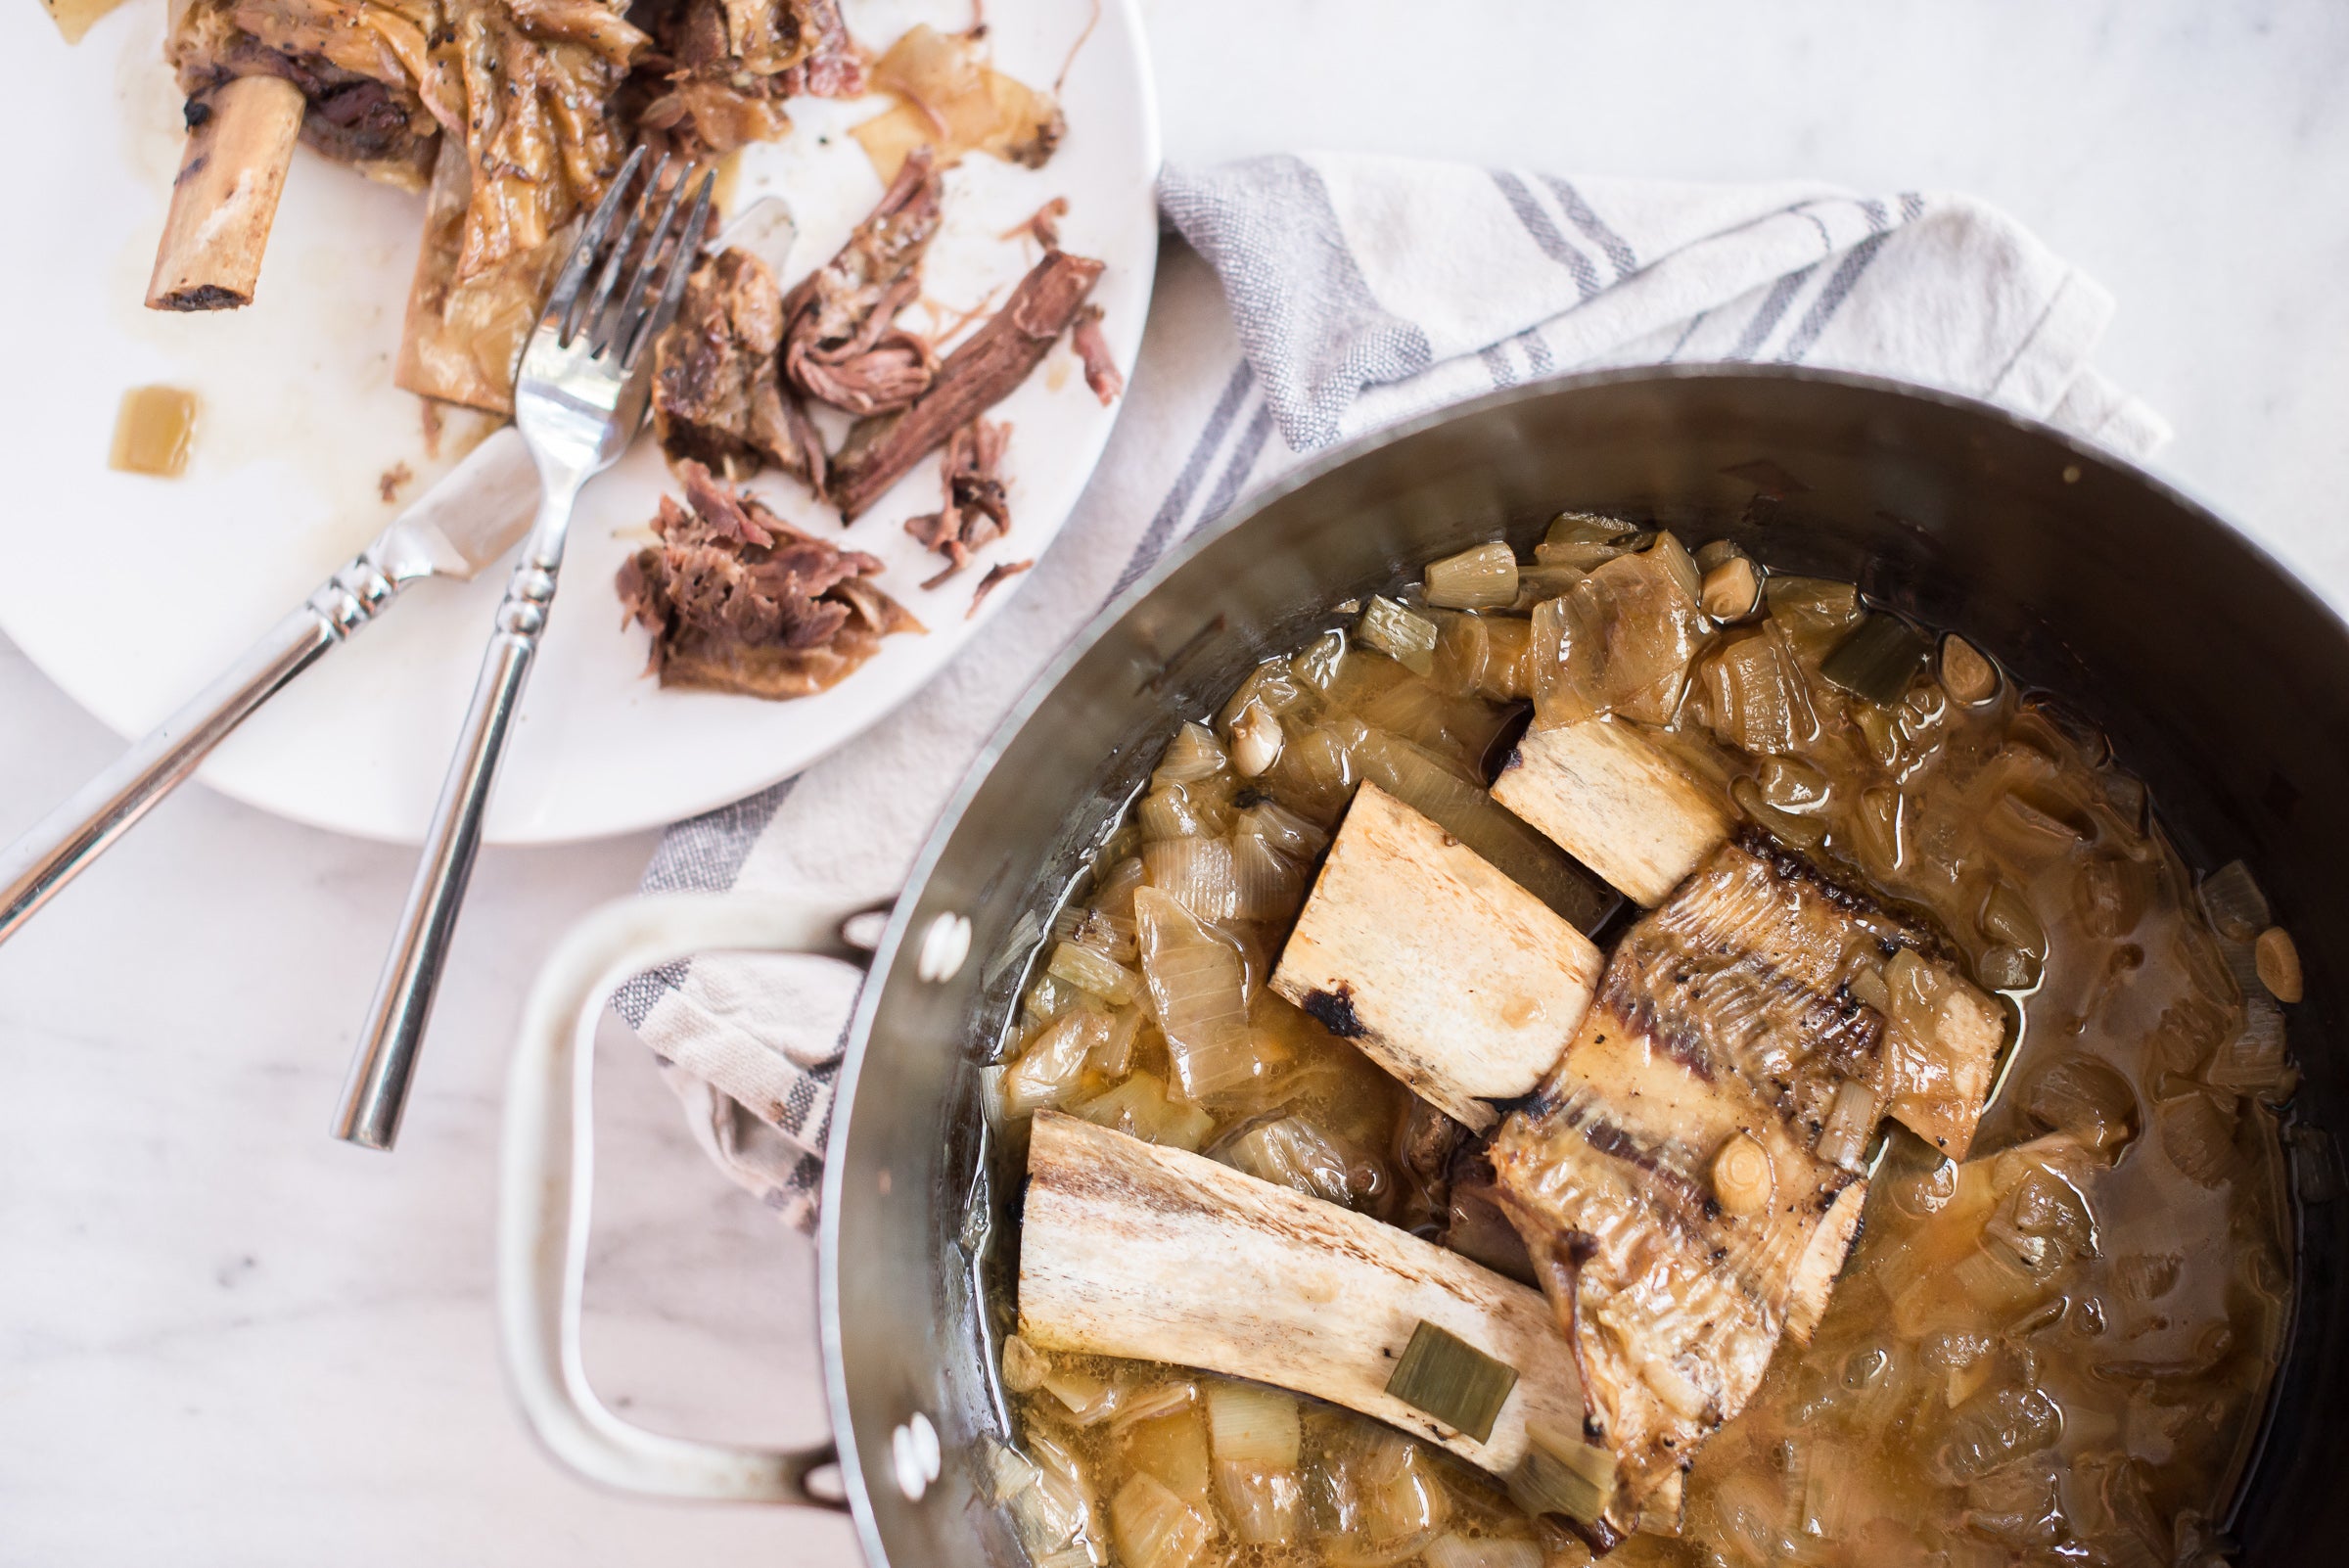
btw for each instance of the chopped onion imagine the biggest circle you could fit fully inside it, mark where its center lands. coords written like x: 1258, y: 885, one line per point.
x: 1403, y: 1497
x: 2234, y: 901
x: 1272, y: 687
x: 1172, y: 811
x: 1052, y: 1507
x: 1317, y: 664
x: 2083, y: 1098
x: 1107, y: 935
x: 1586, y: 540
x: 1157, y: 1399
x: 1172, y: 1447
x: 1843, y: 1140
x: 2254, y: 1059
x: 1266, y: 1506
x: 1451, y: 1549
x: 1318, y: 765
x: 1087, y: 970
x: 1484, y: 655
x: 1025, y: 1367
x: 1049, y: 998
x: 1290, y: 1151
x: 1407, y: 638
x: 1480, y: 578
x: 1089, y: 1400
x: 1757, y: 697
x: 1113, y: 1055
x: 1049, y: 1070
x: 1192, y: 755
x: 1248, y: 1423
x: 1674, y: 558
x: 1142, y: 1107
x: 2007, y: 917
x: 1114, y: 896
x: 1154, y: 1528
x: 1198, y: 982
x: 1266, y: 885
x: 1617, y: 642
x: 1815, y: 611
x: 1198, y: 873
x: 1277, y: 827
x: 1562, y: 1474
x: 1803, y: 832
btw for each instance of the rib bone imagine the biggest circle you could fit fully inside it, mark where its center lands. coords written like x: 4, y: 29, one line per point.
x: 1440, y: 969
x: 1132, y: 1250
x: 226, y: 198
x: 1614, y: 801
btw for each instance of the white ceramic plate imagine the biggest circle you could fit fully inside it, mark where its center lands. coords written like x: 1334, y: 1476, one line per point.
x: 131, y: 592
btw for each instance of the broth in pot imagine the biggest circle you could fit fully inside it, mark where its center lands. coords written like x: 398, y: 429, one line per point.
x: 1893, y: 1144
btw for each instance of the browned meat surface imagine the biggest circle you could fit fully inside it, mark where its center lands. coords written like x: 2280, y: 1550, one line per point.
x: 738, y: 601
x: 718, y: 397
x: 364, y: 66
x: 976, y: 512
x: 839, y: 340
x: 1727, y: 1016
x: 978, y: 374
x: 719, y: 71
x: 1101, y: 371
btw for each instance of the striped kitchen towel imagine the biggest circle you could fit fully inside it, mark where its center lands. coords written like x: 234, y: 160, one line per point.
x: 1312, y: 299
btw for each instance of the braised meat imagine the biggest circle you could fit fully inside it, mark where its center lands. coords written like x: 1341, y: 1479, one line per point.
x: 839, y: 341
x: 1686, y: 1179
x: 364, y: 67
x: 1101, y: 371
x: 717, y: 399
x: 738, y: 601
x: 976, y: 512
x: 719, y: 71
x: 978, y: 374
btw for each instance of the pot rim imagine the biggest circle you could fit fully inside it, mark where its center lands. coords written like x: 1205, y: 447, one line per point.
x: 1048, y: 679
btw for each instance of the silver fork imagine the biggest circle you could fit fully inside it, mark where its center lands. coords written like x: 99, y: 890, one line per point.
x: 578, y: 402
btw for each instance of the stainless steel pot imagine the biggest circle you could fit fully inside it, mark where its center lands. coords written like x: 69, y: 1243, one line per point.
x: 2221, y: 679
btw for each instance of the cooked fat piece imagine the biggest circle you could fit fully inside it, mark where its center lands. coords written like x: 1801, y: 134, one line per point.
x: 1725, y: 1013
x: 1614, y: 801
x: 1440, y: 969
x: 1131, y: 1248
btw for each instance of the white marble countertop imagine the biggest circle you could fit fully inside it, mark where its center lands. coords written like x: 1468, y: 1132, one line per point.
x: 225, y: 1336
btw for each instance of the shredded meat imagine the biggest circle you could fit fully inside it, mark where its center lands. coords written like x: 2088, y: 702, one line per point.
x: 737, y: 600
x: 717, y: 399
x: 839, y: 341
x: 718, y: 71
x: 976, y: 512
x: 1001, y: 571
x: 1043, y: 225
x: 978, y: 374
x: 1100, y: 368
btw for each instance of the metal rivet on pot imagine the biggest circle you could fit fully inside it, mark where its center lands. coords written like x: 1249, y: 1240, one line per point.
x: 925, y: 1445
x: 945, y: 946
x: 906, y: 1460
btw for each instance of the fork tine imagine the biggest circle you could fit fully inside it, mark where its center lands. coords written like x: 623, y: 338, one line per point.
x: 593, y: 321
x: 582, y: 254
x: 673, y: 285
x: 624, y: 317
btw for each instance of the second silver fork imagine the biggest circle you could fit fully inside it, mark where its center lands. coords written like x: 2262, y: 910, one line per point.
x: 577, y: 401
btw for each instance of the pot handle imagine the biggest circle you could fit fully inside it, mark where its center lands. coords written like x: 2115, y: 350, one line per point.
x: 546, y: 1175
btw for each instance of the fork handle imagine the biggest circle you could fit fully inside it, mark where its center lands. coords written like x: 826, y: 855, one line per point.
x: 84, y: 826
x: 377, y: 1090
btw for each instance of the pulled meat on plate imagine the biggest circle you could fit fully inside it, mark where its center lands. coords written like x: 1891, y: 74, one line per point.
x: 976, y: 513
x: 718, y: 71
x: 717, y: 396
x: 737, y: 600
x: 841, y: 343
